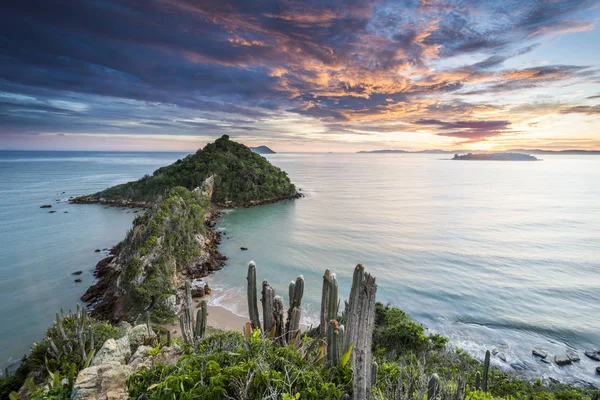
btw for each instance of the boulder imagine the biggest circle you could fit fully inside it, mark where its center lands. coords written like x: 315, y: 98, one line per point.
x: 105, y: 381
x: 46, y: 206
x: 573, y: 356
x: 173, y: 304
x: 540, y: 353
x: 197, y: 291
x: 138, y: 335
x: 113, y: 351
x: 502, y: 356
x: 77, y: 273
x: 51, y: 212
x: 562, y: 360
x: 243, y: 248
x: 207, y: 289
x: 97, y: 251
x: 495, y: 351
x: 593, y: 354
x: 141, y: 358
x: 77, y: 280
x: 598, y: 370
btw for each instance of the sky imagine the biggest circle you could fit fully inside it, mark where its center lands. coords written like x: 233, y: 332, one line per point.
x: 311, y: 75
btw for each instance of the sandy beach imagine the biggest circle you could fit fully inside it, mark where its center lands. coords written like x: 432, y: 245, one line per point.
x: 219, y: 318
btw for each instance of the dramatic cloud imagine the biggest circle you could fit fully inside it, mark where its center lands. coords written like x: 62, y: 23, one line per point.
x: 334, y: 68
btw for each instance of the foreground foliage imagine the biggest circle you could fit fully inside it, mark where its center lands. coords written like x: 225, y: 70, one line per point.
x: 241, y: 177
x: 59, y: 355
x: 228, y: 365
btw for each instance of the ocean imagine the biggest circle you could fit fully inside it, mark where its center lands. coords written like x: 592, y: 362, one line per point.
x: 494, y: 255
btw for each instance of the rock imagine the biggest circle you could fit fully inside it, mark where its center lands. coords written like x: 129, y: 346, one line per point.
x: 113, y: 351
x: 141, y: 358
x: 544, y: 360
x: 598, y: 370
x: 517, y: 366
x: 553, y: 380
x: 66, y: 212
x: 562, y: 360
x: 46, y: 206
x: 503, y: 344
x: 197, y: 291
x: 77, y: 273
x: 573, y: 356
x: 207, y: 290
x: 173, y: 304
x: 137, y: 335
x: 540, y: 353
x: 593, y: 354
x: 51, y: 212
x: 77, y: 280
x: 495, y: 351
x: 103, y: 382
x: 502, y: 356
x: 243, y: 248
x: 97, y: 251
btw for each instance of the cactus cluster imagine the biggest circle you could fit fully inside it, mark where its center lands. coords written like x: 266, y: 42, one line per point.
x: 79, y: 339
x: 342, y: 344
x: 192, y: 330
x: 275, y: 326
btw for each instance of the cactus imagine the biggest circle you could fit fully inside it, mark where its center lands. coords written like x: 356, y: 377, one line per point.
x: 460, y: 388
x: 252, y: 300
x: 360, y: 313
x: 433, y: 387
x: 268, y: 296
x: 201, y: 318
x: 333, y: 355
x: 333, y: 298
x: 192, y: 330
x: 292, y: 326
x: 486, y: 369
x: 278, y: 309
x: 323, y: 328
x: 168, y: 338
x: 478, y: 380
x: 374, y: 368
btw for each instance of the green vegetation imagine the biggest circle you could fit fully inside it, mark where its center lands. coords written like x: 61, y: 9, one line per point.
x: 241, y: 177
x: 161, y: 241
x: 68, y: 347
x: 228, y: 365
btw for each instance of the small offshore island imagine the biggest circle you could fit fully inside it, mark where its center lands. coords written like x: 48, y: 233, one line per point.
x: 496, y: 157
x: 146, y: 333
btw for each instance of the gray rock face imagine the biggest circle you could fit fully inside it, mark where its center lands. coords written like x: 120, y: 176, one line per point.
x: 113, y: 351
x: 562, y: 360
x: 173, y: 304
x: 598, y: 370
x: 540, y: 353
x: 502, y: 356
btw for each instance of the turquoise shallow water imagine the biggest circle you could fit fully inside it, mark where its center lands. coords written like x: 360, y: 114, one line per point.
x: 492, y: 254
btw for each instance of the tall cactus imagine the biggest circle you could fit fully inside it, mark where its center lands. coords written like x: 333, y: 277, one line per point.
x: 252, y: 297
x: 333, y: 298
x: 278, y: 310
x: 374, y: 368
x: 192, y: 331
x: 478, y: 380
x: 433, y: 387
x: 333, y: 355
x: 323, y: 328
x: 360, y: 323
x: 268, y: 297
x: 292, y: 326
x: 486, y: 369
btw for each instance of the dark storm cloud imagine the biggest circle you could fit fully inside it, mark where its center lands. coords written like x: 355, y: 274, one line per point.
x: 118, y: 66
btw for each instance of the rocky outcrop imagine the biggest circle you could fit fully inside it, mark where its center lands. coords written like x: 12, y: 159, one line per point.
x: 106, y: 378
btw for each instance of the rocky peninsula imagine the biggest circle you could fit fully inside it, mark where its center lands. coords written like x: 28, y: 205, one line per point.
x: 495, y: 157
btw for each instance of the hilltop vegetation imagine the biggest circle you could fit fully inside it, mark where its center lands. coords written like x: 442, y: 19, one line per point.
x: 241, y: 176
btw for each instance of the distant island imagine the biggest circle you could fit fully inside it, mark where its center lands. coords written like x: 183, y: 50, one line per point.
x: 262, y: 150
x: 529, y: 151
x: 496, y: 157
x: 434, y: 151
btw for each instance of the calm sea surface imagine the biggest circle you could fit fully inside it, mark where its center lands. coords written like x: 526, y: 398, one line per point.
x: 493, y: 254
